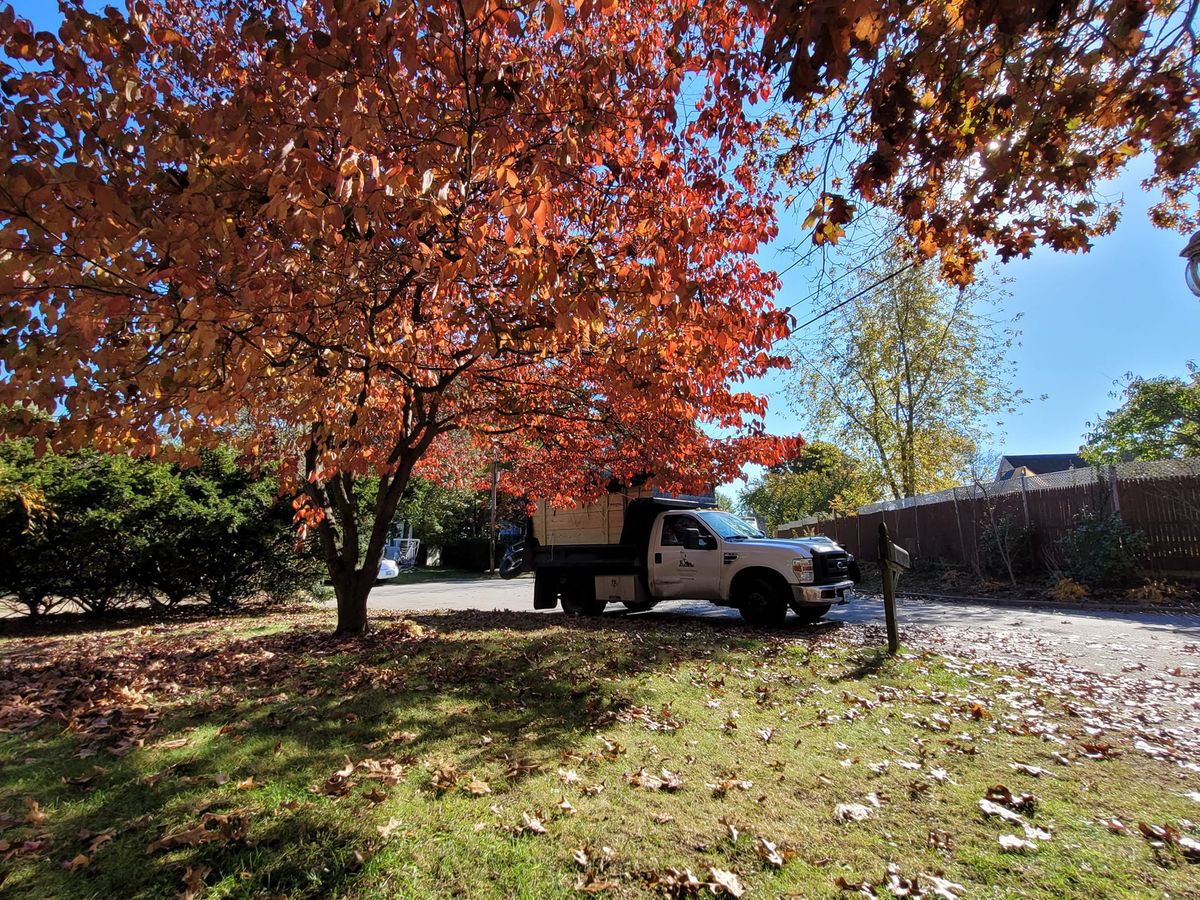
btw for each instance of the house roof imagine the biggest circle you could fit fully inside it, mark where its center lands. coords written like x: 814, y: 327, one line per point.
x: 1039, y: 463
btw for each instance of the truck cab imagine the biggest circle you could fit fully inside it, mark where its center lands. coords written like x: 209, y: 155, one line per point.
x: 678, y: 550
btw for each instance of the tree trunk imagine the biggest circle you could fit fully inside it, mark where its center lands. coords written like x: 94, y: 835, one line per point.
x: 352, y: 590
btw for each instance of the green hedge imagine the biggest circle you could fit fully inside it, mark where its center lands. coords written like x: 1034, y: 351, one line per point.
x: 101, y: 531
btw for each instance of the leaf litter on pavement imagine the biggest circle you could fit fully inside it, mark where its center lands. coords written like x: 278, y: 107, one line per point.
x: 703, y: 760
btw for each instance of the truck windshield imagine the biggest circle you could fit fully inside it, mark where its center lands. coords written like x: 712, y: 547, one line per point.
x: 730, y: 528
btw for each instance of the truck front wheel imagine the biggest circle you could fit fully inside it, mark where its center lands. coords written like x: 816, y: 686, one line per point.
x: 761, y: 603
x: 579, y: 598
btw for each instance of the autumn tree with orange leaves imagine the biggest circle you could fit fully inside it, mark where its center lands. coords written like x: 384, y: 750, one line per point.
x: 360, y: 236
x: 343, y: 232
x: 986, y: 123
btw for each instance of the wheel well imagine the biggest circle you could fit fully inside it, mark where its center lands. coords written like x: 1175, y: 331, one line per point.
x: 769, y: 575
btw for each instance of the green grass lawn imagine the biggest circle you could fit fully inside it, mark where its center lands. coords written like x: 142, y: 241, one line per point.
x: 520, y: 755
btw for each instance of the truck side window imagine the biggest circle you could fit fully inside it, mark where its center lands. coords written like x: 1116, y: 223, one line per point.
x: 672, y: 530
x: 675, y: 529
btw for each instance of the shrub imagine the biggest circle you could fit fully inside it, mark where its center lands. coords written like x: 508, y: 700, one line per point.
x: 1102, y: 550
x: 116, y: 530
x: 1006, y: 548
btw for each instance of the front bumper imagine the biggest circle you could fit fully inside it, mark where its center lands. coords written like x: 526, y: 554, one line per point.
x: 822, y: 594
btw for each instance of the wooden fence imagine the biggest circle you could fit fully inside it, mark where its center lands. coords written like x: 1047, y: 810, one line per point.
x: 1160, y: 499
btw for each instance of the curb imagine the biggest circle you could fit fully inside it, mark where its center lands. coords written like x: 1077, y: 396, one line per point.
x: 1049, y: 606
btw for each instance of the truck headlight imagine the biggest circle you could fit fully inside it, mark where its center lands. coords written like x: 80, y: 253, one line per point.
x: 803, y: 569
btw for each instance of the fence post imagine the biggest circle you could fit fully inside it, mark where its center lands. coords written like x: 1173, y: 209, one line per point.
x: 1111, y: 471
x: 1025, y: 501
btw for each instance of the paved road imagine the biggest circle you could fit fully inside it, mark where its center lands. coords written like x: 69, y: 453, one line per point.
x: 1105, y: 642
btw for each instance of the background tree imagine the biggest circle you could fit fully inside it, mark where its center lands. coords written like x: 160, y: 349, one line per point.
x: 906, y: 375
x: 822, y: 478
x: 986, y: 122
x: 336, y: 234
x: 1159, y: 419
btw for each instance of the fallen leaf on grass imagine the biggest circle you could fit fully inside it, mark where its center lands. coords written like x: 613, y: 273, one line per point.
x: 995, y: 809
x: 941, y: 840
x: 590, y: 883
x: 726, y: 881
x: 851, y: 812
x: 1010, y: 843
x: 1026, y: 769
x: 734, y: 834
x: 193, y: 882
x: 1116, y: 826
x: 375, y: 795
x: 385, y: 831
x: 1020, y: 802
x: 228, y: 827
x: 77, y: 863
x: 35, y: 816
x: 532, y: 825
x: 771, y: 853
x: 1161, y: 836
x: 476, y: 787
x: 96, y: 841
x: 565, y: 805
x: 650, y: 782
x: 85, y: 780
x: 721, y: 788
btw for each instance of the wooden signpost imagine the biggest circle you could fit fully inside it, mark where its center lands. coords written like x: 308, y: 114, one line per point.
x: 892, y: 561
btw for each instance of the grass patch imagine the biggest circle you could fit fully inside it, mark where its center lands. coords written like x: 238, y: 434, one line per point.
x: 492, y: 755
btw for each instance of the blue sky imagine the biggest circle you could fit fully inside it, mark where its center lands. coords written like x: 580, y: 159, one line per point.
x: 1088, y: 319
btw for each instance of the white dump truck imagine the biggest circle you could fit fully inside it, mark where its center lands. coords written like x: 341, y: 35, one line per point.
x: 674, y: 549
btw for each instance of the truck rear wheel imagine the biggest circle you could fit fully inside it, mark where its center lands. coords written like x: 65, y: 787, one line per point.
x: 808, y: 613
x: 579, y: 598
x: 762, y: 603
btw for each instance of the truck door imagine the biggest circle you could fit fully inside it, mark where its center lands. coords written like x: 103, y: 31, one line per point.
x: 679, y: 571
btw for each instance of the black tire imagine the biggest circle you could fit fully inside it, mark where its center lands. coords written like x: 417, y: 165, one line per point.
x: 809, y: 613
x: 579, y: 598
x: 640, y: 607
x: 762, y: 602
x: 513, y: 564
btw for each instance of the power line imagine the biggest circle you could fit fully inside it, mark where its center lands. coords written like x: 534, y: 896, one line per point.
x: 855, y: 296
x: 833, y: 280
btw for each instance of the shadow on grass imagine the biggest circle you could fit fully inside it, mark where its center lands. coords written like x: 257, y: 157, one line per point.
x: 287, y: 709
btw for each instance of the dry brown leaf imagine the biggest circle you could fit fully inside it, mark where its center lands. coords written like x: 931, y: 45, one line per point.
x: 1010, y: 843
x: 726, y: 881
x: 851, y: 812
x: 385, y: 831
x: 476, y: 787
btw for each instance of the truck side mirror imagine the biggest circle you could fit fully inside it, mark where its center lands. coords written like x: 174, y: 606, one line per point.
x: 691, y: 538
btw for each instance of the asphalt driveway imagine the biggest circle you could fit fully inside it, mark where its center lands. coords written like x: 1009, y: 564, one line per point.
x: 1099, y: 641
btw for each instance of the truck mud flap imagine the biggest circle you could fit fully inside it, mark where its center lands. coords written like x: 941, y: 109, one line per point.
x: 545, y: 590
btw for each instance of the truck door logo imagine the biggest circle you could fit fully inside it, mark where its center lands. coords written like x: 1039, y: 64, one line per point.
x: 685, y: 563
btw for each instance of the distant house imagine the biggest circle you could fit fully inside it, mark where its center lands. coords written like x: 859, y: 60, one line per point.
x: 1038, y: 464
